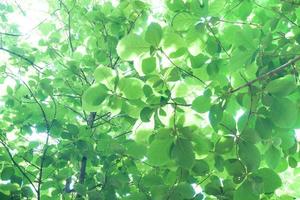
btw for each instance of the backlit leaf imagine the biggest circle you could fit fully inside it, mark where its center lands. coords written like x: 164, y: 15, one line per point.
x: 154, y: 34
x: 93, y: 97
x: 132, y: 46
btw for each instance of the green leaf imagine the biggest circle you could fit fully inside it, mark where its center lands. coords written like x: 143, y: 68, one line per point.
x: 146, y: 114
x: 264, y: 127
x: 282, y: 86
x: 136, y: 150
x: 215, y: 7
x: 27, y: 192
x: 271, y: 180
x: 224, y: 145
x: 245, y: 192
x: 283, y: 112
x: 131, y: 87
x: 172, y: 42
x: 80, y: 188
x: 149, y: 65
x: 292, y: 162
x: 175, y: 5
x: 4, y: 195
x: 234, y: 167
x: 203, y: 145
x: 9, y: 187
x: 154, y: 34
x: 201, y: 104
x: 151, y: 179
x: 215, y: 116
x: 173, y: 75
x: 287, y: 139
x: 93, y: 97
x: 183, y: 153
x: 198, y: 61
x: 249, y: 155
x: 103, y: 73
x: 132, y: 46
x: 159, y: 151
x: 159, y: 192
x: 200, y: 168
x: 272, y: 157
x: 214, y: 187
x: 239, y: 59
x: 7, y: 173
x: 184, y: 190
x: 46, y: 85
x: 250, y: 135
x: 183, y: 21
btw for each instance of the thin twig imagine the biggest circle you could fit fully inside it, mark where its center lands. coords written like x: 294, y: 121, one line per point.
x: 122, y: 134
x: 202, y: 181
x: 217, y: 39
x: 181, y: 69
x: 20, y: 8
x: 84, y: 77
x: 75, y: 111
x: 240, y: 22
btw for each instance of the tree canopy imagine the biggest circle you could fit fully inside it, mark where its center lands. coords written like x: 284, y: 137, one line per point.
x: 193, y: 99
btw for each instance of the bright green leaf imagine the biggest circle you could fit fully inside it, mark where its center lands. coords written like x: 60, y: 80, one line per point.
x: 148, y: 65
x: 283, y: 112
x: 272, y: 157
x: 132, y: 46
x: 282, y: 86
x: 201, y: 104
x: 159, y: 151
x: 249, y: 155
x: 131, y: 87
x: 154, y: 34
x: 183, y: 21
x: 183, y: 153
x: 271, y: 180
x: 93, y: 97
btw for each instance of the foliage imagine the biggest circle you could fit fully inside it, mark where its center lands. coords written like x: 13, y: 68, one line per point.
x: 134, y: 104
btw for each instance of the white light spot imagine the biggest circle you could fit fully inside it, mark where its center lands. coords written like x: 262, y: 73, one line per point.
x: 238, y: 114
x: 297, y: 134
x: 197, y: 188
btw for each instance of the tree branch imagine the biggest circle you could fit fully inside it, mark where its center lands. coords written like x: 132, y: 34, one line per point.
x: 17, y: 165
x: 36, y: 67
x: 90, y: 122
x: 268, y: 74
x: 69, y: 24
x: 82, y: 170
x: 69, y: 32
x: 45, y: 148
x: 11, y: 34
